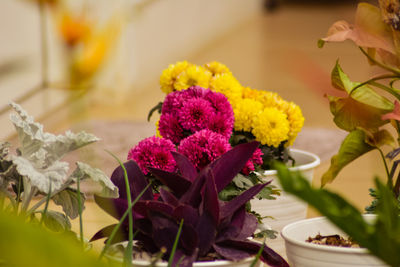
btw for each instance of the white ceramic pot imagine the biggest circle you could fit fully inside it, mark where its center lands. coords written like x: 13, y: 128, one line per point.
x: 286, y: 208
x: 218, y: 263
x: 303, y: 254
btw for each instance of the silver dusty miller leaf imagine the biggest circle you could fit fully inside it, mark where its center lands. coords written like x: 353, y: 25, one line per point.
x: 40, y: 152
x: 83, y: 171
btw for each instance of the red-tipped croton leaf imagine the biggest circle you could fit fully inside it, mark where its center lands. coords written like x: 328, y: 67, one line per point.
x: 137, y: 181
x: 173, y: 181
x: 228, y: 165
x: 186, y: 168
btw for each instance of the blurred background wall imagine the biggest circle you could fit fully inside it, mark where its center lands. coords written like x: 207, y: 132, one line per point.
x: 142, y: 37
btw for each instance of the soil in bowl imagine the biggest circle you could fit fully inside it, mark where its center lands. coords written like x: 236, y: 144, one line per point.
x: 333, y: 240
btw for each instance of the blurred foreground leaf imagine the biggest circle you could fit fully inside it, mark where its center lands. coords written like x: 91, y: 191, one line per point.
x: 23, y: 244
x: 382, y: 237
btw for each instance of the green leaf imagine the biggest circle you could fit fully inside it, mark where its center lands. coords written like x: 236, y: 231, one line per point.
x: 363, y: 94
x: 56, y: 221
x: 267, y: 193
x: 242, y: 181
x: 26, y: 244
x: 380, y: 138
x: 339, y: 79
x: 157, y: 108
x: 68, y: 199
x: 320, y: 43
x: 381, y: 238
x: 84, y: 171
x: 352, y: 147
x: 350, y: 114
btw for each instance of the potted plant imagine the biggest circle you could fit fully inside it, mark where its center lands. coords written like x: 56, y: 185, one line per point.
x: 187, y: 210
x: 239, y: 115
x: 375, y: 234
x: 37, y: 172
x: 366, y: 112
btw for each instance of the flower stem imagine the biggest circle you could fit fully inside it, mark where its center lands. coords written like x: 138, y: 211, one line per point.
x: 78, y: 191
x: 387, y: 89
x: 390, y: 179
x: 129, y: 248
x: 46, y: 206
x: 43, y: 200
x: 380, y: 64
x: 175, y: 245
x: 381, y: 77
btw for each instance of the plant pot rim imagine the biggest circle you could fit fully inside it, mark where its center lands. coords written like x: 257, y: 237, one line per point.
x: 304, y: 244
x: 195, y: 264
x: 314, y: 162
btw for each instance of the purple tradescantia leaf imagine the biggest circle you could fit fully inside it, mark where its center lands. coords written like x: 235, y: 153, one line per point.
x: 106, y: 232
x: 165, y: 230
x: 116, y: 207
x: 137, y: 181
x: 234, y: 248
x: 210, y: 198
x: 232, y: 254
x: 174, y: 181
x: 168, y: 197
x: 187, y: 213
x: 206, y: 230
x: 232, y: 206
x: 240, y: 227
x: 186, y: 168
x: 143, y: 207
x: 192, y: 195
x: 183, y: 260
x: 249, y: 226
x: 226, y: 167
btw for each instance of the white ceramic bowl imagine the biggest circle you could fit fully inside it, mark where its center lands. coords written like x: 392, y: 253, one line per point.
x: 303, y: 254
x: 286, y: 208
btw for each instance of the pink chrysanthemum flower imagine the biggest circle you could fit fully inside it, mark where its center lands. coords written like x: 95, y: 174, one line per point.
x: 219, y: 102
x: 195, y: 113
x: 170, y: 128
x: 195, y: 109
x: 222, y: 124
x: 154, y: 152
x: 255, y: 159
x: 203, y: 147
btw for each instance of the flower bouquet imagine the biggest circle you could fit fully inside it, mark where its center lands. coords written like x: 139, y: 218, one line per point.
x: 205, y: 114
x: 203, y: 123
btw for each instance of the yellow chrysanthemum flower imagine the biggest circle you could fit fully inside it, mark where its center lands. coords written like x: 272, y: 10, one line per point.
x: 158, y: 134
x: 228, y: 85
x: 246, y: 110
x: 271, y: 127
x: 296, y: 121
x: 193, y: 75
x: 269, y: 99
x: 250, y: 93
x: 169, y: 75
x: 217, y: 68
